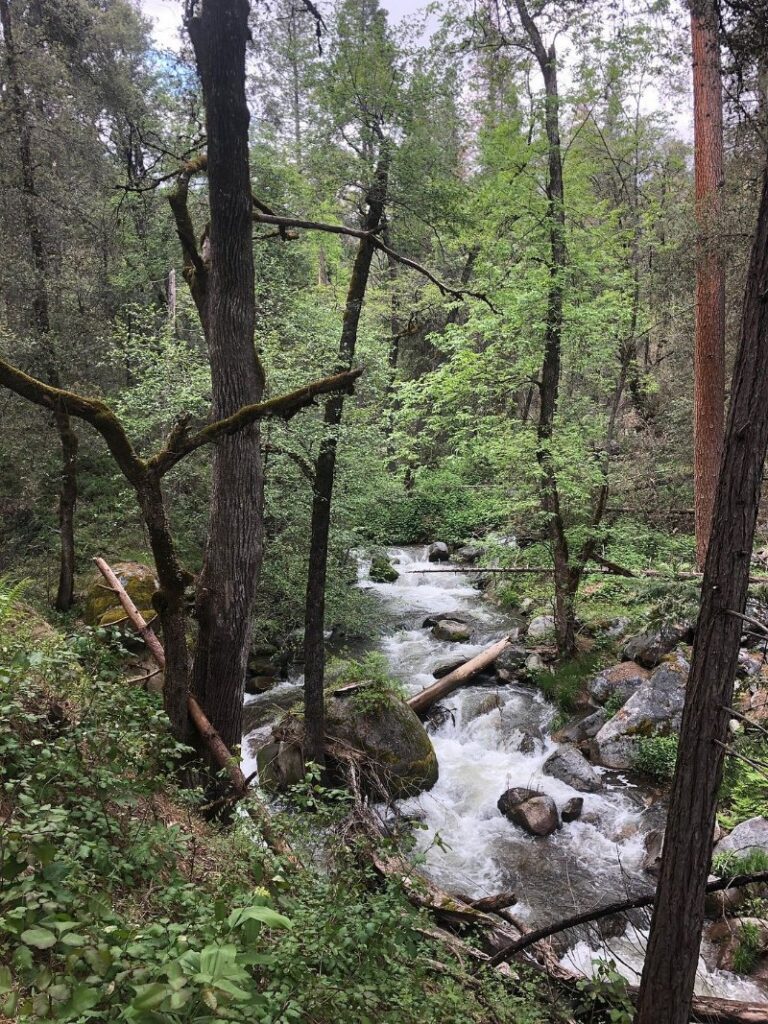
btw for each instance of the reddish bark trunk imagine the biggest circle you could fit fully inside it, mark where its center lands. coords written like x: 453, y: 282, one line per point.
x: 709, y: 342
x: 670, y: 965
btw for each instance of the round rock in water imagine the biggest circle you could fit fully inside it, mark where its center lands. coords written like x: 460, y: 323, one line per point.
x: 536, y: 813
x: 572, y: 809
x: 438, y: 552
x: 452, y: 631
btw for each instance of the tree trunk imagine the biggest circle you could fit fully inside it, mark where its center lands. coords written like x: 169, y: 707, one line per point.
x: 325, y: 468
x: 227, y: 583
x: 549, y: 385
x: 670, y: 964
x: 709, y: 342
x: 42, y: 321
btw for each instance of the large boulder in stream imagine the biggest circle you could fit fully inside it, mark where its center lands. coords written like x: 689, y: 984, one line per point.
x: 382, y: 570
x: 102, y: 605
x: 390, y: 734
x: 532, y: 811
x: 438, y: 552
x: 571, y: 767
x: 654, y: 709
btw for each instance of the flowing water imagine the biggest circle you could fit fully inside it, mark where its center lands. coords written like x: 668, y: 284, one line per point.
x: 469, y: 846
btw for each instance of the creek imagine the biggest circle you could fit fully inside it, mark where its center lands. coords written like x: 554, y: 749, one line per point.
x: 468, y: 845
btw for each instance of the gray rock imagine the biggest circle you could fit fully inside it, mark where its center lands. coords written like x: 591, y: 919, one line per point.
x: 535, y: 663
x: 280, y: 765
x: 526, y: 605
x: 514, y: 796
x: 510, y: 662
x: 468, y: 554
x: 488, y: 702
x: 446, y: 666
x: 452, y: 631
x: 537, y: 814
x: 541, y: 625
x: 622, y: 680
x: 616, y: 628
x: 572, y: 768
x: 438, y: 552
x: 750, y: 836
x: 750, y: 663
x: 649, y: 648
x: 393, y: 738
x: 572, y: 809
x: 582, y: 729
x: 455, y: 616
x: 654, y: 847
x: 654, y: 709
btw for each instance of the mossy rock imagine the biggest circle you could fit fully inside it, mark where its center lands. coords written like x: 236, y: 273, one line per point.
x: 382, y: 571
x: 102, y: 605
x: 390, y: 733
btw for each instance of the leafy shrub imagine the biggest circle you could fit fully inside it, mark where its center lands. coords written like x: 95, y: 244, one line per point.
x: 728, y: 865
x: 656, y: 756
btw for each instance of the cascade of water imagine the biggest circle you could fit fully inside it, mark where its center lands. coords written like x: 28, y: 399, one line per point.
x: 494, y: 738
x: 469, y: 846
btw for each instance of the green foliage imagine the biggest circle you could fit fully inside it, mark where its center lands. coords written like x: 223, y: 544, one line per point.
x: 605, y: 997
x: 728, y: 865
x: 744, y: 791
x: 749, y: 948
x: 656, y: 756
x: 565, y: 685
x: 614, y: 703
x: 371, y: 674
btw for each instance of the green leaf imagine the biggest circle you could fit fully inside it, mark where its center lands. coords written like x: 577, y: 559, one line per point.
x: 149, y: 997
x: 6, y: 980
x: 266, y: 915
x: 40, y: 938
x: 84, y: 997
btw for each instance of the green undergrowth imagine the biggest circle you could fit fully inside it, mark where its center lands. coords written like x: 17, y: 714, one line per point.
x: 118, y: 902
x: 744, y: 792
x: 565, y: 685
x: 656, y: 756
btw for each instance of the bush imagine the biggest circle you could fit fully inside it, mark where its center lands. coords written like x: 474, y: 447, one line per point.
x: 656, y: 756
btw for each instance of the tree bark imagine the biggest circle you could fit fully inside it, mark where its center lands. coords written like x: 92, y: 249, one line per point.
x: 325, y: 469
x: 42, y: 319
x: 709, y: 340
x: 566, y: 579
x: 670, y: 964
x: 232, y: 560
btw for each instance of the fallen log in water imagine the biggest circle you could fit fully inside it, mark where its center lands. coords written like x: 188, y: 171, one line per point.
x: 423, y: 701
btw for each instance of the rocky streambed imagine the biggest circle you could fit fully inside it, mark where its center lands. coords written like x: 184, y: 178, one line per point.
x: 495, y: 750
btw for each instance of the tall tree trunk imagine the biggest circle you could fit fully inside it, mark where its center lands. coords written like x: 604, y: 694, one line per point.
x: 42, y: 320
x: 549, y: 386
x: 709, y: 342
x: 325, y: 469
x: 227, y: 583
x: 673, y: 946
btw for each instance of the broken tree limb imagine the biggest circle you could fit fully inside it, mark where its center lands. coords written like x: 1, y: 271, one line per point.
x: 423, y: 701
x: 209, y: 735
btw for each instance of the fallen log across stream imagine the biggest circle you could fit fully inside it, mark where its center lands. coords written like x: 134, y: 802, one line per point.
x: 219, y: 751
x: 423, y: 701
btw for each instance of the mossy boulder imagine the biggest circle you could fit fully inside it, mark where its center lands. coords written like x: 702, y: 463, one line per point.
x: 385, y: 729
x: 382, y: 571
x: 102, y: 605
